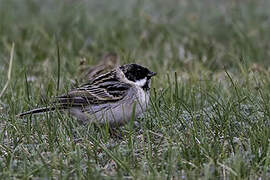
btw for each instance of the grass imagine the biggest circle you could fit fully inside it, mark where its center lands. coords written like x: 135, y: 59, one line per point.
x: 210, y: 103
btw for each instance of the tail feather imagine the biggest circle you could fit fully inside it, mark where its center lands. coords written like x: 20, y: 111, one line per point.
x: 36, y: 111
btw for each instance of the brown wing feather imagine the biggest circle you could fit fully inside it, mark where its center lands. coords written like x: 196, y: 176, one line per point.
x: 102, y: 92
x: 99, y: 91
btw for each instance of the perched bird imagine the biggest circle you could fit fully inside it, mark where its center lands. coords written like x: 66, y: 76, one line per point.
x: 111, y: 98
x: 108, y: 62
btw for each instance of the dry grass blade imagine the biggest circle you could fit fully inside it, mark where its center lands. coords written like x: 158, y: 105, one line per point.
x: 9, y: 70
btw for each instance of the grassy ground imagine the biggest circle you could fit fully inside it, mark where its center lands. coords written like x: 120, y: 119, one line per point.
x: 210, y: 105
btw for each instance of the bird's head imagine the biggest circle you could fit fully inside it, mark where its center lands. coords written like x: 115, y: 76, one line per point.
x: 138, y: 74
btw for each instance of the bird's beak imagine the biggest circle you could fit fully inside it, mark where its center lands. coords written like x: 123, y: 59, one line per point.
x: 150, y: 74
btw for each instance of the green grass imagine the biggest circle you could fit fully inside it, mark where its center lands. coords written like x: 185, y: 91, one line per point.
x: 210, y: 103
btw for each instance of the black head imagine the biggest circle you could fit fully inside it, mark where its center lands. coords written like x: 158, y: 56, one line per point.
x: 138, y: 74
x: 135, y: 72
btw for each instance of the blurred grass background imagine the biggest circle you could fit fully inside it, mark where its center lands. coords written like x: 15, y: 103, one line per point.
x: 210, y: 101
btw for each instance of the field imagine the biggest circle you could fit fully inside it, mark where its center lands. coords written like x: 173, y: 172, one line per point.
x: 210, y: 102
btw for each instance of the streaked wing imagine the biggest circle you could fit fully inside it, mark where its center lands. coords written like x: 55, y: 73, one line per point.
x: 105, y: 91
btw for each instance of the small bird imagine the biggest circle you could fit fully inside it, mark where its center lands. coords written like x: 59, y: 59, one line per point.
x: 112, y: 98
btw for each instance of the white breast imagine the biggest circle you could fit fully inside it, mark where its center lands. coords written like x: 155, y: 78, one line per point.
x: 143, y: 98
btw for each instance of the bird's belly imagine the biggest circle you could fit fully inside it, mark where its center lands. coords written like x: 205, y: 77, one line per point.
x: 115, y: 114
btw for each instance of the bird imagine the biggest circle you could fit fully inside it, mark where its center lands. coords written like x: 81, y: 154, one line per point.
x: 112, y: 98
x: 108, y: 62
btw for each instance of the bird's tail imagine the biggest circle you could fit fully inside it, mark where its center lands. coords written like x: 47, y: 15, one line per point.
x: 38, y: 110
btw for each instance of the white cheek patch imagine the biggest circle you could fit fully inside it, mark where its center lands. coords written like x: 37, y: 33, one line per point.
x: 141, y: 82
